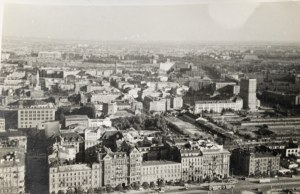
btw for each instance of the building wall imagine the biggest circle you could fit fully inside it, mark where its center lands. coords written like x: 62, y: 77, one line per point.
x: 292, y: 151
x: 192, y: 167
x: 158, y: 105
x: 263, y: 165
x: 217, y: 106
x: 79, y: 121
x: 12, y: 179
x: 248, y: 163
x: 216, y: 163
x: 248, y: 93
x: 32, y: 117
x: 63, y: 177
x: 2, y: 125
x: 167, y: 171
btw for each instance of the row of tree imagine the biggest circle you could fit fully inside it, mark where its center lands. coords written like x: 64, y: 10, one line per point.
x: 141, y: 122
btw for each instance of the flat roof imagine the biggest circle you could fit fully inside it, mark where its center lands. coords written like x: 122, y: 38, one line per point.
x: 158, y: 162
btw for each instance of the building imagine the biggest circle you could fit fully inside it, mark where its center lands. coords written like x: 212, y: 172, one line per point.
x: 63, y: 177
x: 217, y: 106
x: 292, y: 149
x: 12, y: 164
x: 100, y: 122
x: 122, y: 168
x: 156, y: 104
x: 76, y: 119
x: 219, y: 85
x: 216, y: 161
x: 2, y: 124
x: 33, y: 113
x: 255, y: 161
x: 110, y: 108
x: 191, y: 164
x: 248, y: 93
x: 154, y: 170
x: 72, y: 139
x: 49, y: 55
x: 286, y: 99
x: 176, y: 102
x: 101, y: 96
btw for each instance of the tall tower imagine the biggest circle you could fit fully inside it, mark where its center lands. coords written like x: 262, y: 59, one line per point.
x: 37, y: 86
x: 116, y: 67
x: 248, y: 93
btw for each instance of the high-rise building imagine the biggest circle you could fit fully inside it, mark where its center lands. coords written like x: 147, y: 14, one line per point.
x: 248, y: 93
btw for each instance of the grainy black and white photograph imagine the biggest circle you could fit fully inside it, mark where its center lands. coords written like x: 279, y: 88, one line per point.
x: 150, y: 96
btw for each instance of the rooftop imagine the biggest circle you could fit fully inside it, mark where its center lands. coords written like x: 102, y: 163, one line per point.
x: 158, y: 162
x: 11, y: 157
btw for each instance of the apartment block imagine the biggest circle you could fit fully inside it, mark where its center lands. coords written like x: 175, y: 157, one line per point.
x: 33, y: 114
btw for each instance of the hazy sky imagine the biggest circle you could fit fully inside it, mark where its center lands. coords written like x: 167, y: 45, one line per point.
x: 234, y: 21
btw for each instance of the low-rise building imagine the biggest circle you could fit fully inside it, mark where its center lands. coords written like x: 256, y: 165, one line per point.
x: 235, y: 104
x: 76, y: 119
x: 292, y: 149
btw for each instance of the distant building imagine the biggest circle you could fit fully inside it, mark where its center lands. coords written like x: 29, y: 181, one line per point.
x: 166, y: 66
x: 49, y: 55
x: 155, y: 104
x: 217, y: 106
x: 76, y: 119
x: 290, y: 99
x: 110, y: 108
x: 219, y: 85
x: 102, y: 96
x: 248, y: 93
x: 100, y: 122
x: 292, y: 149
x: 255, y: 161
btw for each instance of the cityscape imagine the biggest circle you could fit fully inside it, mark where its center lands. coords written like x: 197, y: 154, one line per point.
x: 164, y: 111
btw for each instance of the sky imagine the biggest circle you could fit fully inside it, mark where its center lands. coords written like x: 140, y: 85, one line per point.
x: 164, y: 20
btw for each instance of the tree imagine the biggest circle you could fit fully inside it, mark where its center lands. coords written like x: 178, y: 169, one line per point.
x: 79, y: 190
x: 152, y: 185
x: 181, y: 182
x: 197, y: 135
x: 109, y: 189
x: 136, y: 185
x: 145, y: 185
x: 61, y: 192
x: 90, y: 190
x: 70, y: 191
x: 119, y: 187
x: 161, y: 183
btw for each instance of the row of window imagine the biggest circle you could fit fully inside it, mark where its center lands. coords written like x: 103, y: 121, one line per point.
x: 73, y: 173
x: 36, y: 111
